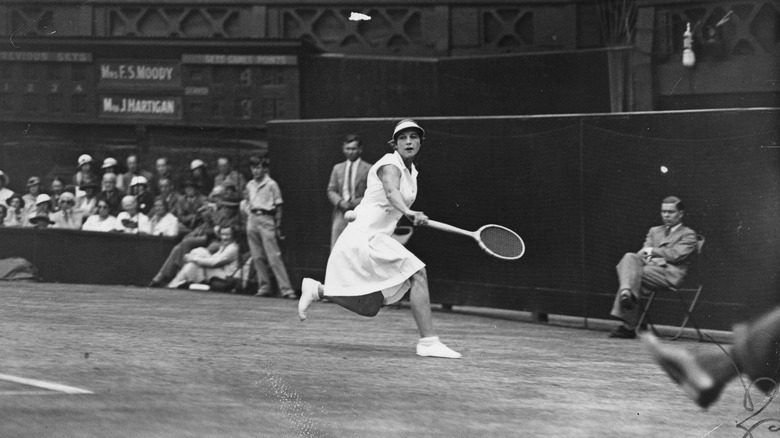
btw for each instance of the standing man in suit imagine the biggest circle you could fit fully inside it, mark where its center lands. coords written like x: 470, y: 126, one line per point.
x: 347, y: 184
x: 662, y: 262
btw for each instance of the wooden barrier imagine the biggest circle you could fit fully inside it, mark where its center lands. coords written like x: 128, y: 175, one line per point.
x: 72, y: 256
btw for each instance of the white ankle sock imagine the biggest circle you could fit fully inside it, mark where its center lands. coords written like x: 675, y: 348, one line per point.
x: 429, y: 340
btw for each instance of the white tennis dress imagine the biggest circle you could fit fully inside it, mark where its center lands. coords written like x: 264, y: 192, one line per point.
x: 366, y: 258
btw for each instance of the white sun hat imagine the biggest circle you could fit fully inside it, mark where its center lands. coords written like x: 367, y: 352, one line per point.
x: 407, y: 124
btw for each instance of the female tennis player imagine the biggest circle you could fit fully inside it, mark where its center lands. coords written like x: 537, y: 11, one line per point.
x: 367, y: 266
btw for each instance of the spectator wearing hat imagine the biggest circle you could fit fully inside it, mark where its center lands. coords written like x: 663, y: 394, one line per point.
x: 200, y: 177
x: 130, y: 219
x: 163, y: 223
x: 68, y: 217
x: 102, y: 221
x: 201, y: 264
x: 86, y: 200
x: 264, y: 204
x: 5, y: 192
x: 133, y: 170
x: 228, y: 213
x: 111, y: 165
x: 230, y: 190
x: 189, y: 205
x: 226, y: 175
x: 33, y: 190
x: 85, y: 171
x: 55, y: 190
x: 111, y: 194
x: 43, y: 211
x: 203, y: 235
x: 16, y: 216
x: 139, y: 187
x: 216, y: 195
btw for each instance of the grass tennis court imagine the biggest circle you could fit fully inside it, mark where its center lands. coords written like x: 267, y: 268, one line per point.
x: 164, y: 363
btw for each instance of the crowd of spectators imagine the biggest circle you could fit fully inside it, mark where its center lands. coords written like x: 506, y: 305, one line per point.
x: 225, y: 225
x: 100, y: 197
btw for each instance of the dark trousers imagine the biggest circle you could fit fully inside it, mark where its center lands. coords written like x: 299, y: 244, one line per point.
x: 756, y: 349
x: 175, y: 259
x: 636, y: 275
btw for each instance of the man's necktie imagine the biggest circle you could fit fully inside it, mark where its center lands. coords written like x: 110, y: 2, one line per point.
x: 347, y: 188
x: 667, y: 230
x: 351, y: 178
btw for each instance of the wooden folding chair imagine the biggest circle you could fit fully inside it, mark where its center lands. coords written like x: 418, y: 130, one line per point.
x: 694, y: 280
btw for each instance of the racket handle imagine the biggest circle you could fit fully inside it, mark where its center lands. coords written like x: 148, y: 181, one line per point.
x: 448, y: 228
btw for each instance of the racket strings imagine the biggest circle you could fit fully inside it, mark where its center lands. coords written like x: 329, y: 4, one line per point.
x: 501, y: 241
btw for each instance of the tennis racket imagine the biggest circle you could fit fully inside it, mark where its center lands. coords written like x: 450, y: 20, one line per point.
x: 498, y: 241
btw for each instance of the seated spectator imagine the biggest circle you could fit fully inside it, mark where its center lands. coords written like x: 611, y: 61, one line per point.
x: 231, y: 190
x: 200, y: 177
x: 226, y: 175
x: 85, y: 171
x: 188, y: 206
x: 204, y: 235
x: 228, y: 212
x: 68, y: 217
x: 43, y: 210
x: 169, y: 195
x: 216, y: 195
x: 110, y: 165
x: 131, y: 220
x: 86, y: 202
x: 162, y: 170
x: 16, y: 216
x: 139, y: 187
x: 57, y: 187
x: 661, y: 263
x: 73, y: 190
x: 201, y: 265
x: 33, y: 190
x: 5, y: 192
x: 103, y: 221
x: 163, y: 223
x: 3, y: 214
x: 111, y: 194
x: 133, y: 170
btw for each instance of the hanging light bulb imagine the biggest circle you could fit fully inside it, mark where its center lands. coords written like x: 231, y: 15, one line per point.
x: 688, y: 57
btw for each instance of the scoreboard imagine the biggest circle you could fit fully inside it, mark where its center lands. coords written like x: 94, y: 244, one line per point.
x: 157, y: 82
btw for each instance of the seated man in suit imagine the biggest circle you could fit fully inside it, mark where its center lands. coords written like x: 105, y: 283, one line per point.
x: 662, y: 262
x: 347, y: 184
x: 112, y: 195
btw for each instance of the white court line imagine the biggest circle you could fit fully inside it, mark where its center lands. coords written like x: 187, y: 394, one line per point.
x: 45, y: 385
x: 2, y: 393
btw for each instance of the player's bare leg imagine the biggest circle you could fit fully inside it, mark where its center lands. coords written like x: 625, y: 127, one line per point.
x: 429, y: 344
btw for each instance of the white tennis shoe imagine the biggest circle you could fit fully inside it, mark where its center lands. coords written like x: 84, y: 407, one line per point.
x: 309, y: 294
x: 433, y: 347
